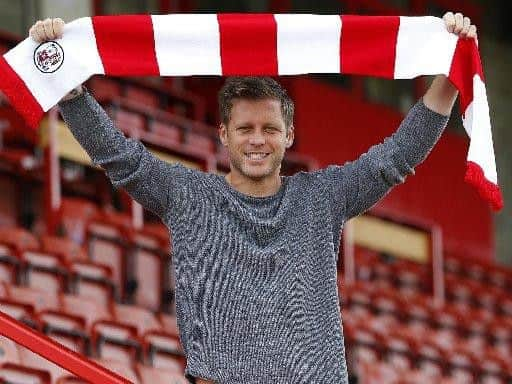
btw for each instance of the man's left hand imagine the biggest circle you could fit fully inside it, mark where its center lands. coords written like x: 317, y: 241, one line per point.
x: 460, y: 25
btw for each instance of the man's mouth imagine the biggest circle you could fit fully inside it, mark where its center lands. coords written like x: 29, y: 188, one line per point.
x: 256, y: 155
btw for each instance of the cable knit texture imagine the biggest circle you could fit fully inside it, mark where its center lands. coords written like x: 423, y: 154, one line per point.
x: 256, y: 293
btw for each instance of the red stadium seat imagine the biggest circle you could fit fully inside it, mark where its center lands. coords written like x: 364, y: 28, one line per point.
x: 150, y: 375
x: 410, y: 274
x: 75, y: 213
x: 142, y: 319
x: 87, y: 308
x: 104, y: 88
x: 19, y: 239
x: 116, y: 341
x: 149, y: 266
x: 9, y: 264
x: 39, y: 299
x: 131, y: 123
x: 169, y: 323
x: 461, y: 365
x: 44, y: 271
x: 143, y: 96
x: 107, y: 245
x: 200, y: 141
x: 398, y: 351
x: 20, y: 311
x: 170, y: 131
x: 123, y: 369
x: 92, y: 280
x: 16, y: 373
x: 8, y: 351
x: 64, y: 247
x: 66, y: 329
x: 33, y: 360
x: 377, y: 373
x: 163, y: 350
x: 430, y: 357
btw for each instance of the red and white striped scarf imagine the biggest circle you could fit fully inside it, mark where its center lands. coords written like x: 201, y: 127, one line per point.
x: 35, y: 77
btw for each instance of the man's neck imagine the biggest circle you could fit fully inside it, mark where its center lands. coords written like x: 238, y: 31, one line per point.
x: 257, y: 188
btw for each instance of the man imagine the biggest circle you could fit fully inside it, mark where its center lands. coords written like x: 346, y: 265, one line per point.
x: 255, y: 252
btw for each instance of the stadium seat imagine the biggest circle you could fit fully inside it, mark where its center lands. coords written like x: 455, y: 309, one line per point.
x: 66, y: 329
x: 44, y: 271
x: 20, y: 311
x: 169, y: 323
x: 151, y: 375
x: 170, y: 131
x: 19, y: 239
x: 88, y: 308
x: 39, y: 299
x: 163, y: 350
x: 387, y: 301
x: 107, y: 245
x: 8, y: 351
x: 200, y: 141
x: 143, y: 96
x: 430, y: 357
x: 104, y: 88
x: 410, y: 274
x: 461, y: 365
x: 18, y: 373
x: 377, y: 373
x: 123, y: 369
x: 33, y: 360
x: 142, y: 319
x: 397, y: 351
x: 149, y: 265
x: 9, y: 265
x: 92, y: 280
x: 75, y: 213
x: 116, y: 341
x: 130, y: 123
x: 64, y: 247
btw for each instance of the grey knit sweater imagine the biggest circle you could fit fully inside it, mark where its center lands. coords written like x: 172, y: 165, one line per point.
x: 256, y: 294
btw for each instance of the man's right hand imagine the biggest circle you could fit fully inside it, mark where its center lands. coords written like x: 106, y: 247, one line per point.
x: 51, y: 29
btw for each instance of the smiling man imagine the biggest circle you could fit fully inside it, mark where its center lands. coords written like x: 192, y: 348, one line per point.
x: 255, y: 252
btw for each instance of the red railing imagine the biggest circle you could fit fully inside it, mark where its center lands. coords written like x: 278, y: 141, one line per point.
x: 57, y: 353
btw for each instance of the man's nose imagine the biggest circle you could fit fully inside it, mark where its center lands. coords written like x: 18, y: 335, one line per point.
x: 257, y: 139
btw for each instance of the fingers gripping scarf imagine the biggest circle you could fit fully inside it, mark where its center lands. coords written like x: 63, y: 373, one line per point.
x: 35, y: 77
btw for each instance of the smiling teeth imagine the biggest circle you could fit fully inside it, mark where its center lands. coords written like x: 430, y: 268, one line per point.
x: 256, y: 156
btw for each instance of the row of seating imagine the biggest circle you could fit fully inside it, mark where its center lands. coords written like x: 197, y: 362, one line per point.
x: 111, y: 264
x: 445, y: 338
x: 125, y: 333
x: 491, y: 290
x: 24, y: 372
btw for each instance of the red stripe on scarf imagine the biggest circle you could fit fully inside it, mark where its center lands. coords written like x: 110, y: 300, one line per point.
x: 248, y: 48
x: 126, y: 44
x: 465, y: 64
x: 368, y: 45
x: 19, y: 95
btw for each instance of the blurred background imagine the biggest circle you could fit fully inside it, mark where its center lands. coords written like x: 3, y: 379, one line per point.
x: 430, y: 259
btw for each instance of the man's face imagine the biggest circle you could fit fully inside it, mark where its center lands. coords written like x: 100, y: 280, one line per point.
x: 256, y: 137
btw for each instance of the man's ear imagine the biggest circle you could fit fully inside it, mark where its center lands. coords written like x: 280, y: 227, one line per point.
x: 290, y: 135
x: 223, y: 134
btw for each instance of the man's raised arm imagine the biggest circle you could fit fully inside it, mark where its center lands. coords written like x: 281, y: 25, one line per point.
x: 358, y: 185
x: 126, y: 161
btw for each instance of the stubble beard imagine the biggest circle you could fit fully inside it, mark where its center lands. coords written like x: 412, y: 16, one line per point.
x: 237, y: 162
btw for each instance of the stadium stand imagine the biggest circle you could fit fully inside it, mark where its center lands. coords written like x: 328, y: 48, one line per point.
x: 103, y: 287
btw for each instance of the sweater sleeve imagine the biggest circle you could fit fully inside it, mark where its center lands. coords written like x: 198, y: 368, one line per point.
x: 357, y: 185
x: 126, y: 161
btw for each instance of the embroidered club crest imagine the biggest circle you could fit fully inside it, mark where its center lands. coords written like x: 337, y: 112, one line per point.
x: 48, y: 57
